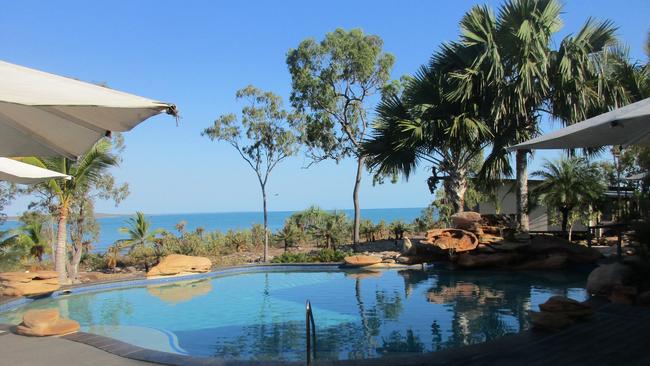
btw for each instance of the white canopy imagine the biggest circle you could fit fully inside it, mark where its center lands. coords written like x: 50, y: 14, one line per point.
x: 629, y: 125
x: 42, y: 114
x: 19, y: 172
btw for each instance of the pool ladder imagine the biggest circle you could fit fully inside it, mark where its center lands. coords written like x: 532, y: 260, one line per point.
x: 311, y: 333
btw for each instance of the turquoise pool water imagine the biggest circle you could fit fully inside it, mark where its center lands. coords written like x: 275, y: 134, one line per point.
x: 359, y: 314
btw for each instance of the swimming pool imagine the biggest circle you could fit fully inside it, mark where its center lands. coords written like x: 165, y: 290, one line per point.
x: 259, y: 314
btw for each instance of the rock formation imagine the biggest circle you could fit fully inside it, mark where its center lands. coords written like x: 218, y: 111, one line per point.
x: 455, y: 240
x: 177, y: 264
x: 604, y: 279
x: 47, y: 322
x: 559, y: 312
x: 28, y: 283
x: 361, y: 260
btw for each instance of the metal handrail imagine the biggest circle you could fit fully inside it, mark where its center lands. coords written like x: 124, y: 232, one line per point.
x: 311, y: 333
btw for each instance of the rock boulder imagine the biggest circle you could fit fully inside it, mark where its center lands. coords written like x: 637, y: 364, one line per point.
x: 465, y: 220
x: 471, y: 260
x: 604, y: 279
x: 559, y: 312
x: 28, y: 283
x: 177, y: 264
x: 361, y: 260
x: 456, y: 240
x: 46, y: 322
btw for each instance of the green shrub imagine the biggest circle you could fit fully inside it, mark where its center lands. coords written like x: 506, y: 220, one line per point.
x: 292, y: 258
x: 94, y: 262
x: 322, y: 256
x: 330, y: 255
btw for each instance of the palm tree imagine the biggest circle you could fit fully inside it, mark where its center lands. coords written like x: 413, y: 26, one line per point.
x: 113, y: 255
x: 289, y: 235
x: 424, y: 125
x: 29, y: 237
x: 569, y: 184
x: 138, y: 230
x: 332, y: 229
x: 86, y: 171
x: 522, y: 78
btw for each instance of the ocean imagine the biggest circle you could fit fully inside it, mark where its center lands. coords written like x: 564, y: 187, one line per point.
x: 224, y: 221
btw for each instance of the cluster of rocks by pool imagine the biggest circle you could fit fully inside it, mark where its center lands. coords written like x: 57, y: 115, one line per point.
x: 474, y: 242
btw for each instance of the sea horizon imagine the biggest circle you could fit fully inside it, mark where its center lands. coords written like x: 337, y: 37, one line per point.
x: 224, y: 221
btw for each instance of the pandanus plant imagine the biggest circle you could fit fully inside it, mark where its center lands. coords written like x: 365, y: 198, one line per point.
x: 85, y: 172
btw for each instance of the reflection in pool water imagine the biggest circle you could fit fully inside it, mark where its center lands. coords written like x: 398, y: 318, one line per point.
x: 358, y: 314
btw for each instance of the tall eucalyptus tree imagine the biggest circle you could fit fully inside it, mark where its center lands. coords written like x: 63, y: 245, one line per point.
x: 334, y: 82
x: 261, y: 136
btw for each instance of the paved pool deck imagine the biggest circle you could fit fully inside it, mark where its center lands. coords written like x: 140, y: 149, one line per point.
x: 16, y: 350
x: 617, y: 335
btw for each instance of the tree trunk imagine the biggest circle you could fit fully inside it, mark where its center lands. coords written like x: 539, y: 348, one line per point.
x: 522, y: 189
x: 266, y: 226
x: 74, y: 265
x: 455, y: 188
x: 355, y: 199
x: 565, y: 219
x: 61, y: 243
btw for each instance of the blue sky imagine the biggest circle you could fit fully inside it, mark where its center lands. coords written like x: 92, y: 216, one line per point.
x: 196, y: 54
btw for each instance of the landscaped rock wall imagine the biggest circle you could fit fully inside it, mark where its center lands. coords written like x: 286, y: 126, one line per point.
x: 28, y: 283
x: 177, y: 264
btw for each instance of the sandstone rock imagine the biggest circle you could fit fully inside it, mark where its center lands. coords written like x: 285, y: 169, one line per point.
x: 28, y: 283
x: 577, y: 253
x: 361, y: 260
x: 550, y: 321
x: 569, y: 307
x: 624, y: 295
x: 456, y: 240
x: 482, y: 248
x: 485, y: 260
x: 402, y: 259
x: 407, y: 247
x: 509, y: 246
x: 553, y: 261
x: 41, y: 323
x: 604, y: 279
x: 39, y: 318
x: 388, y: 261
x: 491, y: 230
x: 489, y: 239
x: 177, y: 264
x: 465, y: 220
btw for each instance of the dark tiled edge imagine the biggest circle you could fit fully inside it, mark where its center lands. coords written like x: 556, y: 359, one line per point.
x: 130, y: 351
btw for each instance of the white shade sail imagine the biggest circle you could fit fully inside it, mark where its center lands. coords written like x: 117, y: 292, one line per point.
x: 42, y: 114
x: 629, y: 125
x: 23, y: 173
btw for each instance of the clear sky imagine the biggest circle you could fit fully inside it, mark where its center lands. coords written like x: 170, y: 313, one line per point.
x: 196, y: 54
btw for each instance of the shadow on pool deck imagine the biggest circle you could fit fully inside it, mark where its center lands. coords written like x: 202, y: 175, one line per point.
x: 617, y: 335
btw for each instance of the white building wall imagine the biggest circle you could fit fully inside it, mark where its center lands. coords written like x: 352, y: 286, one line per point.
x: 538, y: 216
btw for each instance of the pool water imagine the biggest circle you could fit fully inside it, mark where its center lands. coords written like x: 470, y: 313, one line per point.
x: 358, y: 314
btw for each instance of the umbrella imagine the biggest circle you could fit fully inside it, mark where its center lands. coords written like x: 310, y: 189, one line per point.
x: 19, y: 172
x: 629, y: 125
x: 42, y: 114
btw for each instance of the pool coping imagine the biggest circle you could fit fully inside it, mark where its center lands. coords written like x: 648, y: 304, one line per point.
x: 130, y: 351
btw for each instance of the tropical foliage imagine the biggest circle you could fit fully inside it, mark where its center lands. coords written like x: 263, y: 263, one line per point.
x: 261, y: 137
x: 568, y: 185
x: 333, y: 83
x: 90, y: 177
x: 517, y: 73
